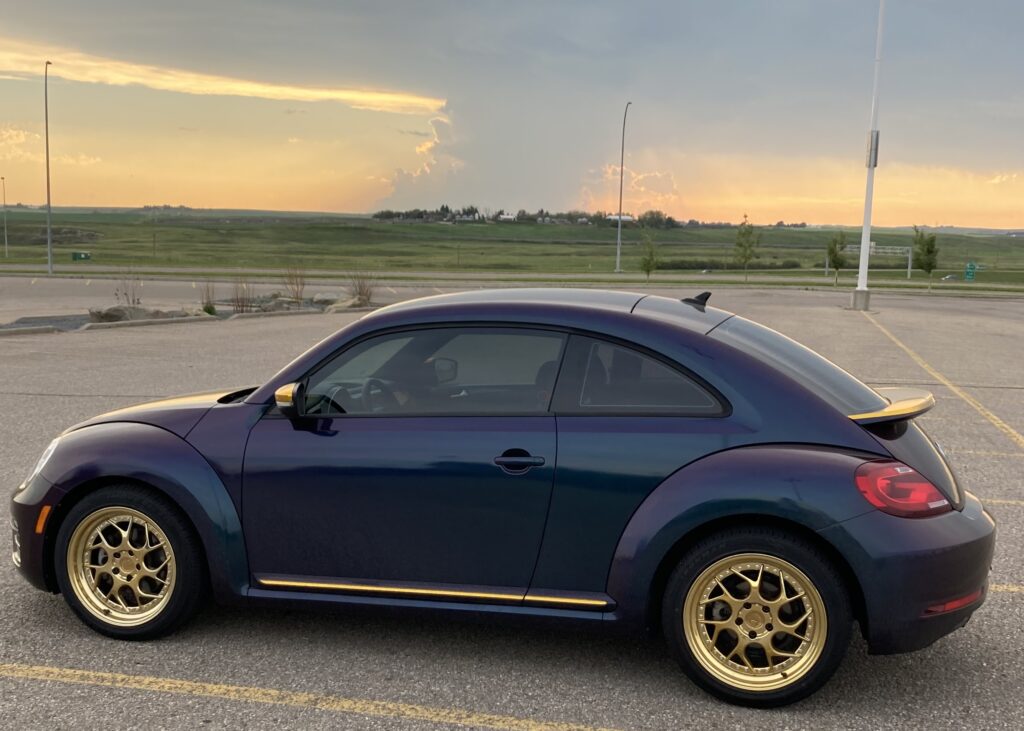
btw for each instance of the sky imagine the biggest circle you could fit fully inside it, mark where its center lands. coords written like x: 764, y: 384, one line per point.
x: 755, y: 107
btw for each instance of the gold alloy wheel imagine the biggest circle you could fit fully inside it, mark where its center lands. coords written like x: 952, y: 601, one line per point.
x: 121, y: 566
x: 755, y: 622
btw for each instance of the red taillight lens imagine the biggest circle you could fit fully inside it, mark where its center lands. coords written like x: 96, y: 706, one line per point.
x: 954, y: 604
x: 899, y: 490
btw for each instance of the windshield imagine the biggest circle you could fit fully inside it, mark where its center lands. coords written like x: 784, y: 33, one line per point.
x: 820, y: 375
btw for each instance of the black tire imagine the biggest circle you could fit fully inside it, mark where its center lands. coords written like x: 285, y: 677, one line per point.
x: 718, y: 550
x: 188, y: 584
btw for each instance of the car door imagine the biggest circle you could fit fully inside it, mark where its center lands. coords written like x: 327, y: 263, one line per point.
x: 627, y: 419
x: 425, y: 459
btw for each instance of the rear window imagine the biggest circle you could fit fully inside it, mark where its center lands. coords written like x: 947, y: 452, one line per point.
x: 823, y: 377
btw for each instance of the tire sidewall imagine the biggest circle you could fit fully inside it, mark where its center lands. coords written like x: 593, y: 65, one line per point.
x: 801, y: 554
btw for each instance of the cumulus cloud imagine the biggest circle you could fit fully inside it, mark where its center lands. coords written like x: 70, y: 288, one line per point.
x: 642, y: 190
x: 19, y: 57
x: 17, y: 145
x: 437, y: 161
x: 1002, y: 178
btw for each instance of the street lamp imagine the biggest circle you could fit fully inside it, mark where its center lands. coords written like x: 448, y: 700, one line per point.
x: 46, y: 124
x: 3, y: 182
x: 622, y: 162
x: 861, y: 296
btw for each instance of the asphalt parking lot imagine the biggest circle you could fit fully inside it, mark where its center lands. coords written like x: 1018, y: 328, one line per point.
x: 310, y: 669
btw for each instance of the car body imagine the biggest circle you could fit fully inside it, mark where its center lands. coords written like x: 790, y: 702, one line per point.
x: 568, y: 454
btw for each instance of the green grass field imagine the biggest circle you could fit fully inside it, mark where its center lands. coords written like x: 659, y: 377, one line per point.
x: 209, y: 241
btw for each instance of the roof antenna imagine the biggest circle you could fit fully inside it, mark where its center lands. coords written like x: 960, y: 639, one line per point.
x: 699, y: 301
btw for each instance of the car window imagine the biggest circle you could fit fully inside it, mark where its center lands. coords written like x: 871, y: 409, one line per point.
x: 609, y: 377
x: 830, y: 382
x: 441, y: 371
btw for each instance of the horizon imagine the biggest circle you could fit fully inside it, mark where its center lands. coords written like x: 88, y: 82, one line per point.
x: 759, y: 109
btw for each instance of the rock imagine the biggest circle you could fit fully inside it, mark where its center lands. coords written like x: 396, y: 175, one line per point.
x: 120, y: 313
x: 342, y: 305
x: 324, y: 300
x: 281, y: 303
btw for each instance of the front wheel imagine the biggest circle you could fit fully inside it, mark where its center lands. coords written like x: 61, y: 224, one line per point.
x: 128, y: 563
x: 757, y: 617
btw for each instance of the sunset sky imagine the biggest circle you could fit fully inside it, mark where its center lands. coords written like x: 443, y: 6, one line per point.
x: 739, y: 106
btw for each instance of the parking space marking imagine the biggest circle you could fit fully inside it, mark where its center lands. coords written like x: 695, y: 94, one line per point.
x: 988, y: 453
x: 1006, y: 588
x: 997, y: 501
x: 998, y: 423
x: 331, y: 703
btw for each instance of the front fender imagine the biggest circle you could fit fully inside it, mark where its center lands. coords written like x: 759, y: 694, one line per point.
x: 151, y: 455
x: 810, y: 486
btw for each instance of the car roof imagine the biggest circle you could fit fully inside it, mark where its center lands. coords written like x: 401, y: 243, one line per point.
x: 690, y: 315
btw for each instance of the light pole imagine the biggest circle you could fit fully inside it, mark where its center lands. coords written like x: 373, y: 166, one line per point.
x: 622, y: 163
x: 3, y: 182
x: 46, y: 124
x: 861, y: 296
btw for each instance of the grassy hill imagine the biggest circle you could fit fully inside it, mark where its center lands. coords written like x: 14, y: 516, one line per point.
x: 219, y: 239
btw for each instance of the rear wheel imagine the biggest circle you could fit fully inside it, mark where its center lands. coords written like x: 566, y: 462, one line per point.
x: 757, y: 617
x: 129, y: 564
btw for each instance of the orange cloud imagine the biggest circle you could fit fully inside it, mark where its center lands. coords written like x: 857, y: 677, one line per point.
x: 18, y: 57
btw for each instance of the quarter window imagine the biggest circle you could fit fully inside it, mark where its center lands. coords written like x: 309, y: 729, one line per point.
x: 618, y: 379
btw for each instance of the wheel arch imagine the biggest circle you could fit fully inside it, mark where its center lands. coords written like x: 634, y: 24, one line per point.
x: 156, y: 460
x: 797, y: 487
x: 652, y: 616
x: 78, y: 494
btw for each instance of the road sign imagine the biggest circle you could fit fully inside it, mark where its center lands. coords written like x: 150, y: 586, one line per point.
x: 969, y: 272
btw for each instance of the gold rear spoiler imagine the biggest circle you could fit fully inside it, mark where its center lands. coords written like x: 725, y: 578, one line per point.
x: 904, y: 404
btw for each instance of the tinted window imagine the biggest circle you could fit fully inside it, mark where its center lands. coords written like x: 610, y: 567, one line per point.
x: 441, y: 371
x: 606, y: 377
x: 820, y: 375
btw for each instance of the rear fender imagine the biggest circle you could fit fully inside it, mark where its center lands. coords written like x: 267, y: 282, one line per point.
x: 806, y: 486
x: 142, y: 453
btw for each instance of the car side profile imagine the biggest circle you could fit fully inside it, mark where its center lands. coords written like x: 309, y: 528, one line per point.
x: 590, y: 456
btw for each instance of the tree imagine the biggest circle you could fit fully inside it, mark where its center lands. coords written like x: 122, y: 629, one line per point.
x: 747, y: 241
x: 926, y: 253
x: 652, y: 219
x: 837, y: 254
x: 648, y: 254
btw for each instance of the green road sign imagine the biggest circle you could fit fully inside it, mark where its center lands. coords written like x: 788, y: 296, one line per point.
x: 969, y: 272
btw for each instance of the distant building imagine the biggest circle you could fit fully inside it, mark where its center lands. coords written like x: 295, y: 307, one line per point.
x: 614, y: 218
x: 506, y: 217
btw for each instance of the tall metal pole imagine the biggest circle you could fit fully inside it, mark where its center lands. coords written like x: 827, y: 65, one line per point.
x: 46, y: 124
x: 3, y: 181
x: 861, y: 296
x: 622, y: 163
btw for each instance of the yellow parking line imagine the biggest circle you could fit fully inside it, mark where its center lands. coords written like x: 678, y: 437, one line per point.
x: 986, y: 452
x: 1006, y: 588
x: 998, y: 423
x: 336, y: 704
x: 997, y: 501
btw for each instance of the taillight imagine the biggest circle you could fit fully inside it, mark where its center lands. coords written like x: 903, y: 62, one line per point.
x: 894, y: 488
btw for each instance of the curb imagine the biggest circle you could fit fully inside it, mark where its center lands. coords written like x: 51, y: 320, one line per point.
x: 32, y: 330
x: 280, y: 313
x: 141, y: 323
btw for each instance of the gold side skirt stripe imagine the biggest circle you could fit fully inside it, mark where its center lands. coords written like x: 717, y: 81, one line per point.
x: 444, y: 593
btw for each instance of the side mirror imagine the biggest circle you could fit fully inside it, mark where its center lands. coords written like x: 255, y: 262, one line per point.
x: 446, y: 370
x: 288, y: 399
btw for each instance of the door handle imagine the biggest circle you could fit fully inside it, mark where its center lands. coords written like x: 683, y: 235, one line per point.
x: 517, y: 461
